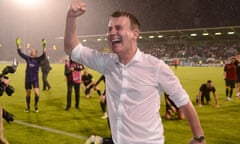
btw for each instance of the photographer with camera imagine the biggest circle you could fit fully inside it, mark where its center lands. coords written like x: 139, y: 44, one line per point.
x: 3, y: 140
x: 4, y: 83
x: 31, y: 75
x: 5, y: 87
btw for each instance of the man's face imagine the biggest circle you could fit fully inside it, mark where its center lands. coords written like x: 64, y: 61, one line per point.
x: 120, y: 35
x: 209, y: 85
x: 33, y: 53
x: 85, y: 72
x: 233, y: 60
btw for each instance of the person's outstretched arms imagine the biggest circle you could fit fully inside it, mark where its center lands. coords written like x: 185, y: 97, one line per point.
x: 76, y: 9
x: 20, y: 53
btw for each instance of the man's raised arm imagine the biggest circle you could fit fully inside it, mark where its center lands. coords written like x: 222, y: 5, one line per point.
x: 75, y: 9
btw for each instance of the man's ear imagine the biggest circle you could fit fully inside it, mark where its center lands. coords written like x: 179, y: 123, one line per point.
x: 136, y: 33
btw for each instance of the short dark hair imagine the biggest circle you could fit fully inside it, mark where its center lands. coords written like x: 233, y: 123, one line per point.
x: 209, y: 81
x: 134, y: 21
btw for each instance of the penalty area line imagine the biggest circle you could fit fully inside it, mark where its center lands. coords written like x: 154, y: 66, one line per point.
x: 50, y: 129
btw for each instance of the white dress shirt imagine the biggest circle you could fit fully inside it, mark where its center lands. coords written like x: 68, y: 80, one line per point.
x: 133, y: 93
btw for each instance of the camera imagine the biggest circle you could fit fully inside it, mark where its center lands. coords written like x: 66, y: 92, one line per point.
x: 6, y: 88
x: 3, y: 76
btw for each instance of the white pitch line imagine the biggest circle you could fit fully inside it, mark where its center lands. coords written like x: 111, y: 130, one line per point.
x: 50, y: 129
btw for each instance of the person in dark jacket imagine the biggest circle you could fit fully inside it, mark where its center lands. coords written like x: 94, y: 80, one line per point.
x: 45, y: 68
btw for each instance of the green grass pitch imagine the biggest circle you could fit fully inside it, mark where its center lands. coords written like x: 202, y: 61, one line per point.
x: 54, y: 125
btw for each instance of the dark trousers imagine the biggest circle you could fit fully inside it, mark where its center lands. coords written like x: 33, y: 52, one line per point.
x: 46, y: 84
x: 206, y: 97
x: 108, y: 140
x: 88, y: 90
x: 76, y: 87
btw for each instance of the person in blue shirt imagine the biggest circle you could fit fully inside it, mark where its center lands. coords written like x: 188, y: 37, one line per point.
x: 31, y: 74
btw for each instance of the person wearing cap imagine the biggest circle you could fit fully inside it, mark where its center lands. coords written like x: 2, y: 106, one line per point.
x: 204, y: 93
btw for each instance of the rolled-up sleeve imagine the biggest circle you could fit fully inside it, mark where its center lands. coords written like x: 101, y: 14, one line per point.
x: 90, y: 57
x: 171, y: 85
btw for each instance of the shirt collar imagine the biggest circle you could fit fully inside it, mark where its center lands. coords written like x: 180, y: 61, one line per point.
x: 136, y: 57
